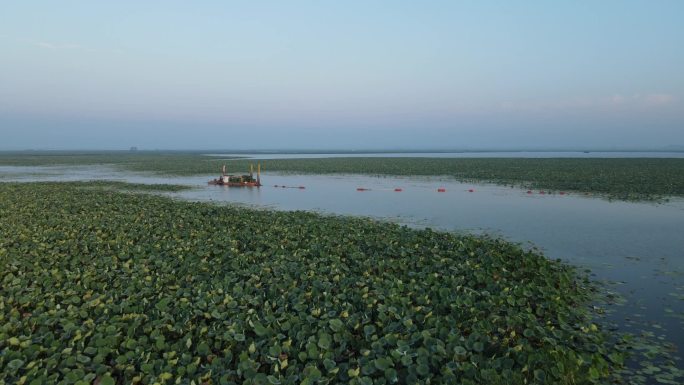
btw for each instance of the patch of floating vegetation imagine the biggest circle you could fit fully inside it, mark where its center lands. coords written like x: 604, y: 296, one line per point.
x: 100, y: 286
x: 7, y: 175
x: 126, y: 186
x: 651, y: 359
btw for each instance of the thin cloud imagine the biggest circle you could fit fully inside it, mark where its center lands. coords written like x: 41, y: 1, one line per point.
x: 642, y: 100
x: 615, y: 101
x: 659, y: 99
x: 50, y: 45
x: 64, y: 46
x: 57, y: 46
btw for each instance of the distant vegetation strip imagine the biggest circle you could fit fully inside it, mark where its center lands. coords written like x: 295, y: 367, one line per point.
x: 125, y: 186
x: 104, y: 287
x: 625, y: 178
x: 159, y: 162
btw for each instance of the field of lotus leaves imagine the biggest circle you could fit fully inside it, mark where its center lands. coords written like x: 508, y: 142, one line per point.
x: 99, y: 286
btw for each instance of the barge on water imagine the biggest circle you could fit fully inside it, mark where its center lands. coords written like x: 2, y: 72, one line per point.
x: 246, y: 180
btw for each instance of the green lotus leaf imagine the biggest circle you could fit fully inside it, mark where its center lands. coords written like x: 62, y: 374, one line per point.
x: 478, y: 347
x: 311, y: 373
x: 391, y: 375
x: 368, y: 330
x: 324, y: 341
x: 203, y: 348
x: 336, y: 325
x: 15, y: 364
x: 107, y: 380
x: 259, y: 329
x: 423, y: 370
x: 383, y: 363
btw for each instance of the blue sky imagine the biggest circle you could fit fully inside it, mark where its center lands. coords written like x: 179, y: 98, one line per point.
x: 352, y: 74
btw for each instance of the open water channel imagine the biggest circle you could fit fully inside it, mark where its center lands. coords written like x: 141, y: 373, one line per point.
x: 635, y: 249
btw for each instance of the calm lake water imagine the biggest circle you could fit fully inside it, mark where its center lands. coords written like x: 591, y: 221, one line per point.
x: 636, y: 248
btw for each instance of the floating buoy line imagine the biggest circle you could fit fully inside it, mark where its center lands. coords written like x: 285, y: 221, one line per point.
x: 439, y: 189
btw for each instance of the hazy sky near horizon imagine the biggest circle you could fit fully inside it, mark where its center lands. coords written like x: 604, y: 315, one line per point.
x: 355, y: 74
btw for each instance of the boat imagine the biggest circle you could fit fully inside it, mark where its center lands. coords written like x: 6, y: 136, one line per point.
x: 245, y: 180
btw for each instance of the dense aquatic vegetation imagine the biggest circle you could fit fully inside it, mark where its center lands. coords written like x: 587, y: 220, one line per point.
x: 100, y: 286
x: 134, y: 187
x: 625, y: 179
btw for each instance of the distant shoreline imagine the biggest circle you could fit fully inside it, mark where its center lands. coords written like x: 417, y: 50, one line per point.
x: 675, y: 149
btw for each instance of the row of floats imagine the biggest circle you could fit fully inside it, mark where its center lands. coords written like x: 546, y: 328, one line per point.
x: 439, y: 189
x: 248, y: 180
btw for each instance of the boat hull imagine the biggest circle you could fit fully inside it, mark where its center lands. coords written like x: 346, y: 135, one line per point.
x: 218, y: 182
